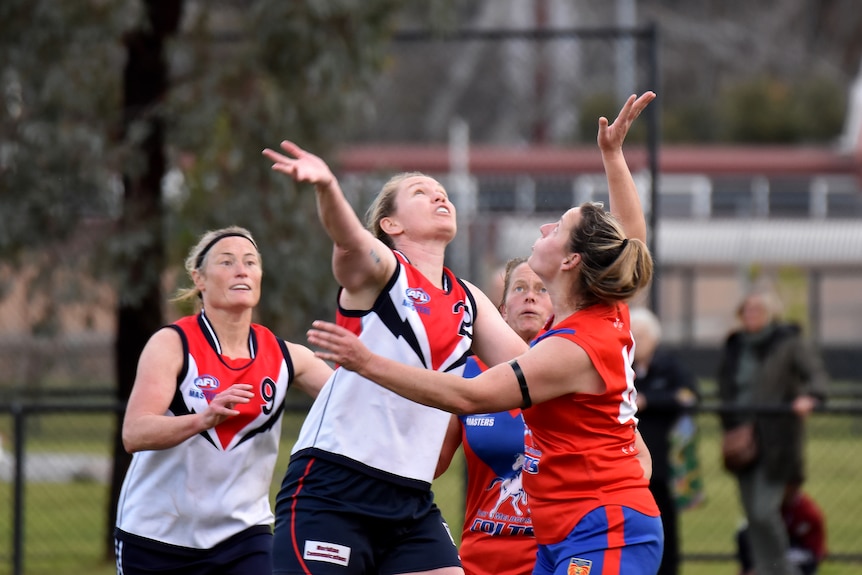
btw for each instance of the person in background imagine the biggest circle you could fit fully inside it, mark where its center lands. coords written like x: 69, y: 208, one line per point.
x: 806, y: 532
x: 586, y: 467
x: 204, y: 424
x: 666, y: 392
x: 771, y: 376
x: 497, y: 537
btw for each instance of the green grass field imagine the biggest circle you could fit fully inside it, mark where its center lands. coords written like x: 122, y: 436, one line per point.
x: 65, y: 522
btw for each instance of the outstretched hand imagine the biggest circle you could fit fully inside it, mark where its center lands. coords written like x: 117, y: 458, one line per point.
x: 300, y: 165
x: 611, y: 136
x: 340, y: 345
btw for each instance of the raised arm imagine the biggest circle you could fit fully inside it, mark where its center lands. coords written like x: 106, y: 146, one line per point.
x: 360, y: 262
x: 624, y: 201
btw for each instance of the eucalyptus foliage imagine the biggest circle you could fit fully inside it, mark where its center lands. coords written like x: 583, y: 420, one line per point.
x: 243, y: 76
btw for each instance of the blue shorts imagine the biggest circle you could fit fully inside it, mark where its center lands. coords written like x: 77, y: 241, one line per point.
x: 331, y: 519
x: 246, y: 553
x: 610, y: 540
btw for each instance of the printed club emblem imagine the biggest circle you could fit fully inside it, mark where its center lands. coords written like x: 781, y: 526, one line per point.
x: 579, y: 567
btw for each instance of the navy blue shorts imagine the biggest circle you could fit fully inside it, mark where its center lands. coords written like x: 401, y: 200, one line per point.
x: 331, y: 519
x: 246, y: 553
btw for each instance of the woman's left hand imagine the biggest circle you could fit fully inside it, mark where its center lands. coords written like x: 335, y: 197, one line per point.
x: 340, y: 345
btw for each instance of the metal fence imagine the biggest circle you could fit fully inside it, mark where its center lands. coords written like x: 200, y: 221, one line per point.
x: 55, y: 467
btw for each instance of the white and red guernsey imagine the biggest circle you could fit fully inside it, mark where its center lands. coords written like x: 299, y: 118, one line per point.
x: 214, y: 484
x: 357, y: 423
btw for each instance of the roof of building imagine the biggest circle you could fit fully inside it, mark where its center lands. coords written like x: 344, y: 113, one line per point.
x: 725, y: 243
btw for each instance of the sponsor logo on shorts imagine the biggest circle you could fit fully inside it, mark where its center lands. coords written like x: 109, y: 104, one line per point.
x: 328, y: 552
x: 579, y: 567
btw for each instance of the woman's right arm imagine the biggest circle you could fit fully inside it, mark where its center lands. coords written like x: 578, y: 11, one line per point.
x: 146, y: 425
x: 451, y: 443
x: 552, y: 368
x: 360, y: 262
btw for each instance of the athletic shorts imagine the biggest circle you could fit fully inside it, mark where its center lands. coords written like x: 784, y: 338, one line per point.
x: 611, y: 540
x: 335, y: 520
x: 246, y: 553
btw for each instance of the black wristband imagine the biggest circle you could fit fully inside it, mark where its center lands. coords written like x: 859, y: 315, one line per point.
x: 522, y: 383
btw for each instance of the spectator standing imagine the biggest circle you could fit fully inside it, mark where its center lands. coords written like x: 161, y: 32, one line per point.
x: 666, y: 392
x: 770, y: 379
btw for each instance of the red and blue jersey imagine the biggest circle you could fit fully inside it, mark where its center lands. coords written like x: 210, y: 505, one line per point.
x: 497, y: 538
x: 580, y: 451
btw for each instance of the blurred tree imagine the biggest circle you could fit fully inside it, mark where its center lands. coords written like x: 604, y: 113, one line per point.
x: 767, y: 110
x: 59, y: 94
x: 141, y: 258
x: 163, y: 141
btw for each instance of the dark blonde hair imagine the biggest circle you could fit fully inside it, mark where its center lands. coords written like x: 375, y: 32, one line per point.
x: 384, y: 205
x: 613, y: 268
x: 199, y: 253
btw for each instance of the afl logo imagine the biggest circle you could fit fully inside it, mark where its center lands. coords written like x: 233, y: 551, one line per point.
x: 417, y: 295
x: 207, y: 382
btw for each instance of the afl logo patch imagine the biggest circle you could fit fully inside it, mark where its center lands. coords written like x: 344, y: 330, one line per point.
x: 417, y: 295
x: 206, y: 382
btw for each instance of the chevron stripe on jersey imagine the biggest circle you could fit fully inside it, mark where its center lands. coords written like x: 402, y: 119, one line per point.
x: 208, y: 372
x: 357, y: 422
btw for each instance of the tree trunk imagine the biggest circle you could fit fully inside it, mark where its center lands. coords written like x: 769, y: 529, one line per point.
x: 139, y: 312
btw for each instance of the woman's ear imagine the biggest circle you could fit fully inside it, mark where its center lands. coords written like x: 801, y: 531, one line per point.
x: 390, y: 226
x: 198, y: 280
x: 571, y: 261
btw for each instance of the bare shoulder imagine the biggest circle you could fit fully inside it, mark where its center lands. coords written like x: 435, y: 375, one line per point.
x: 158, y: 367
x: 163, y: 345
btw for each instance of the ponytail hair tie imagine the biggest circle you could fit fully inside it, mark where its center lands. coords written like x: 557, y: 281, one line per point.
x: 621, y: 248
